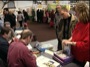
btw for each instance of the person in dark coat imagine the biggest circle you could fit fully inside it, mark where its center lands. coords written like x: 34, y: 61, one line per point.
x: 4, y: 45
x: 10, y: 17
x: 6, y: 15
x: 66, y: 25
x: 12, y: 20
x: 38, y: 16
x: 26, y: 17
x: 41, y: 15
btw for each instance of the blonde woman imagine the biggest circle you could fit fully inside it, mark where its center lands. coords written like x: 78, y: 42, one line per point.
x: 80, y: 41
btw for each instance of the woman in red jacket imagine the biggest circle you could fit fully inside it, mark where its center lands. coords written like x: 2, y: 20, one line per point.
x: 80, y: 36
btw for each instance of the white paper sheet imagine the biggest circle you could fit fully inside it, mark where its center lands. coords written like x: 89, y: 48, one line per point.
x: 48, y: 45
x: 87, y: 64
x: 29, y: 47
x: 43, y: 61
x: 18, y: 36
x: 18, y: 31
x: 49, y: 52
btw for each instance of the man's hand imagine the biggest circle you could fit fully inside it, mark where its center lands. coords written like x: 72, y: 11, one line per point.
x: 68, y: 42
x: 65, y: 42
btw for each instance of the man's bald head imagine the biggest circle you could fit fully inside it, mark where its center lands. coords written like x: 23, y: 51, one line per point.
x: 26, y: 33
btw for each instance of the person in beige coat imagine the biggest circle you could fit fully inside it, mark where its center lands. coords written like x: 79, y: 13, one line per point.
x: 66, y: 25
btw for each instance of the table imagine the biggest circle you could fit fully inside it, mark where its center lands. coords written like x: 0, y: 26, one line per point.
x: 50, y: 56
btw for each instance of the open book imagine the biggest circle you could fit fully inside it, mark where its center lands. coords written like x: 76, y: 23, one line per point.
x: 43, y: 61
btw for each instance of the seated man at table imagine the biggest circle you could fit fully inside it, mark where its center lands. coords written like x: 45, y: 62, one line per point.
x: 19, y: 55
x: 4, y: 45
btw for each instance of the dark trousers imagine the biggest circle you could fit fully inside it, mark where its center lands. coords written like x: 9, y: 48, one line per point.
x: 20, y: 22
x: 59, y: 45
x: 59, y: 41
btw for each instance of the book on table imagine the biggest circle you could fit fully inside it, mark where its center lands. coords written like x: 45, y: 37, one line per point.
x: 43, y: 61
x: 43, y: 47
x: 63, y: 56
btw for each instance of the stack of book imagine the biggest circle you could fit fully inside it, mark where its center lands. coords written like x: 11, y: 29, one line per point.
x: 63, y: 56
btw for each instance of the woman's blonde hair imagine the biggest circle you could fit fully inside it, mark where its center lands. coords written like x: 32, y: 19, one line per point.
x: 82, y: 10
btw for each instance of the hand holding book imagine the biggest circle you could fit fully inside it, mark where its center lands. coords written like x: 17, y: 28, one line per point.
x: 68, y: 42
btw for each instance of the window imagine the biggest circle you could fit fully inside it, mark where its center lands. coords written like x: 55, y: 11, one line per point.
x: 11, y: 4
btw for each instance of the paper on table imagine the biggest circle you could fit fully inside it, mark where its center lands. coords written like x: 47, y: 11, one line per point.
x: 18, y: 36
x: 18, y: 31
x: 87, y: 64
x: 49, y: 52
x: 29, y: 47
x: 43, y: 61
x: 48, y: 45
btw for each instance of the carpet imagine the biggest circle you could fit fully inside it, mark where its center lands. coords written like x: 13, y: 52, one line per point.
x: 42, y: 31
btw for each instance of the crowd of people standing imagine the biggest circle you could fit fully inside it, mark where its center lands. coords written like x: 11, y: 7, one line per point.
x: 72, y: 30
x: 11, y: 17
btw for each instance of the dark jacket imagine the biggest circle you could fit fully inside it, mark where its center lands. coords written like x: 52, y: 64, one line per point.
x: 4, y: 45
x: 73, y: 22
x: 10, y: 18
x: 7, y: 17
x: 1, y: 63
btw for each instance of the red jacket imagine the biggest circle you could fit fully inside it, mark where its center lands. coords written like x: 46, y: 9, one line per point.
x: 81, y: 37
x: 20, y: 56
